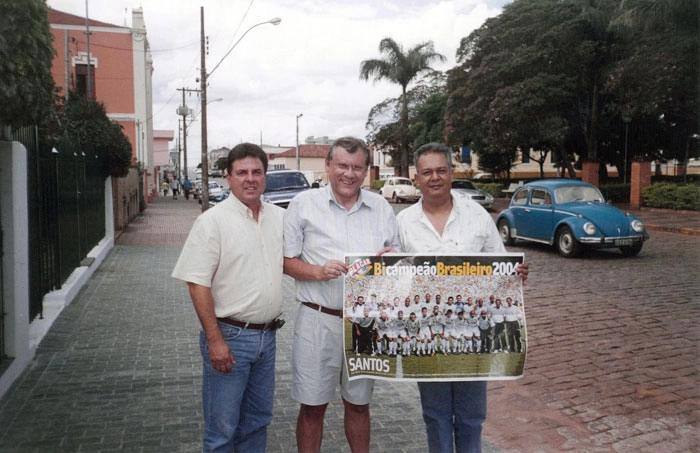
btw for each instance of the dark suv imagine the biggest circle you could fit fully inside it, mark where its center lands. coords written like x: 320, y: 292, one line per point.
x: 282, y: 185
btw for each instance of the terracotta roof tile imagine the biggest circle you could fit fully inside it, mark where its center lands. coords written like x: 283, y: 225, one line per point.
x: 306, y: 151
x: 61, y: 18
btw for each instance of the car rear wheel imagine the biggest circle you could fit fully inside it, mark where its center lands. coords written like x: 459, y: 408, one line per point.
x: 504, y: 230
x: 632, y: 250
x: 395, y: 198
x: 566, y: 242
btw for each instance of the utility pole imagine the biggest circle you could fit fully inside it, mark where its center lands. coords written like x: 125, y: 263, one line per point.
x: 203, y: 89
x: 298, y: 116
x: 184, y: 111
x: 90, y: 82
x: 179, y: 150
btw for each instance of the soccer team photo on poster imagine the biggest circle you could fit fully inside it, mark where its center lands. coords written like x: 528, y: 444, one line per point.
x: 434, y: 318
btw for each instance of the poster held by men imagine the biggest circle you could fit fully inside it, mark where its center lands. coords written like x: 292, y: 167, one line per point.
x: 434, y: 336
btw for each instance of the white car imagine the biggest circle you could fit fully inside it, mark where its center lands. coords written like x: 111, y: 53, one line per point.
x: 399, y: 189
x: 466, y: 189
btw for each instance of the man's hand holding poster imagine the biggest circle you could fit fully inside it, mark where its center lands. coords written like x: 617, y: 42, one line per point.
x: 434, y: 318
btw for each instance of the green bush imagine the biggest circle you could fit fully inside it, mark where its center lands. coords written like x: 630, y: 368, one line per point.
x: 378, y: 184
x: 493, y: 188
x: 672, y: 196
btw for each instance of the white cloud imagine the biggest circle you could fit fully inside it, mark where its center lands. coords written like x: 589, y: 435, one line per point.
x: 308, y: 64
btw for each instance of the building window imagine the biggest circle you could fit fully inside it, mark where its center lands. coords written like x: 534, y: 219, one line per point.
x: 81, y: 80
x: 525, y: 155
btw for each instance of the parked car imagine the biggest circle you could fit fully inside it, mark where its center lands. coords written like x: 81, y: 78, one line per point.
x: 283, y: 185
x: 571, y: 215
x: 399, y: 189
x: 216, y: 192
x: 467, y: 189
x: 484, y: 175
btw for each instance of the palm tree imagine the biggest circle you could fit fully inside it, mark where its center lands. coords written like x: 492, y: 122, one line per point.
x: 401, y: 67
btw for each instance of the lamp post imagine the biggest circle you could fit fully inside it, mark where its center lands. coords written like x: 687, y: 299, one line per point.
x: 298, y: 116
x: 203, y: 80
x: 627, y: 120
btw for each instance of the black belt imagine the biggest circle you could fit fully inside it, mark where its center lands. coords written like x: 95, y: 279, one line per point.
x: 328, y: 311
x: 272, y: 325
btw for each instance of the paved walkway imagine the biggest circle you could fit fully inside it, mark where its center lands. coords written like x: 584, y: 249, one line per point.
x: 120, y: 369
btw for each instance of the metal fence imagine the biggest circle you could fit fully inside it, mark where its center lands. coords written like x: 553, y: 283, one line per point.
x: 66, y: 211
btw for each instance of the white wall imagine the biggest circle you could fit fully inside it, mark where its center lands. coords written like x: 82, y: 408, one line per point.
x: 15, y: 259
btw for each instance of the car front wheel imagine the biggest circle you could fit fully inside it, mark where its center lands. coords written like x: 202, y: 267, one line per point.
x: 395, y: 198
x: 632, y: 250
x: 504, y: 230
x: 566, y: 242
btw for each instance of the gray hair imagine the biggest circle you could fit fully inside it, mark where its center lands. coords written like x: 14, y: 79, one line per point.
x: 433, y: 147
x: 351, y: 145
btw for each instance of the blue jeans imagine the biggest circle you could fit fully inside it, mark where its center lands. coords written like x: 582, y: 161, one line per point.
x: 237, y: 406
x: 453, y: 413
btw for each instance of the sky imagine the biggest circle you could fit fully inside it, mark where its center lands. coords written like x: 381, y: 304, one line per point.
x: 309, y: 64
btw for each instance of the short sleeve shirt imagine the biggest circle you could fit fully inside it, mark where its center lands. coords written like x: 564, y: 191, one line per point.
x: 239, y: 258
x: 317, y: 229
x: 469, y: 229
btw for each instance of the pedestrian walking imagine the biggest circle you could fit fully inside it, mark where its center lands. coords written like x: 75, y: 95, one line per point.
x: 187, y: 187
x: 175, y: 186
x: 165, y: 187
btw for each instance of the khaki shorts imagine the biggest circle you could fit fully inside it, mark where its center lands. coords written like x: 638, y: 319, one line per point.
x: 317, y: 363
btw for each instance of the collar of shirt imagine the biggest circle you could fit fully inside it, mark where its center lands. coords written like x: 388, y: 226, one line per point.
x: 454, y: 214
x: 239, y: 207
x: 361, y: 200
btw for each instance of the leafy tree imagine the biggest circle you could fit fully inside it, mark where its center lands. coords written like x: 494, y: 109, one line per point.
x: 26, y: 54
x: 516, y: 83
x: 426, y: 106
x: 86, y: 120
x: 655, y: 83
x: 561, y: 76
x: 401, y: 68
x: 221, y: 163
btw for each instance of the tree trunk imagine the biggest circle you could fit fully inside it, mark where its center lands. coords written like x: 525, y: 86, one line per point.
x: 403, y: 164
x: 566, y: 161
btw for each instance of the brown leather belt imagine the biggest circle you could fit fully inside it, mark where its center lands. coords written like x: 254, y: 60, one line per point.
x: 328, y: 311
x: 248, y: 325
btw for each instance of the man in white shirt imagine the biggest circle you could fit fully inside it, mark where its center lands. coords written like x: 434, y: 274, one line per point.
x: 232, y: 263
x: 320, y: 226
x: 453, y: 411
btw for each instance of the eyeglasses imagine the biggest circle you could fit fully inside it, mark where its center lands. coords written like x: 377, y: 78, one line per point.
x: 354, y: 168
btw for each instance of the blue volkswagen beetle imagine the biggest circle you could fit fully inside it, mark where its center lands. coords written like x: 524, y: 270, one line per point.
x: 571, y: 215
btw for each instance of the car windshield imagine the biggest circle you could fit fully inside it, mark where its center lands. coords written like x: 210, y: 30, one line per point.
x: 285, y: 181
x: 403, y: 182
x: 461, y: 184
x: 568, y: 194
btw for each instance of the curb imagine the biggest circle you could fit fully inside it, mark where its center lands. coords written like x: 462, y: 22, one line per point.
x: 676, y: 230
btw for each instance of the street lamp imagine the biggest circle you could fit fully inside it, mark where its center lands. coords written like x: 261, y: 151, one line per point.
x: 203, y: 80
x: 298, y: 116
x: 626, y: 119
